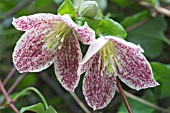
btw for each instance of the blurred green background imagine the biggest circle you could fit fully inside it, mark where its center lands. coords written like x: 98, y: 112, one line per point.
x: 152, y: 34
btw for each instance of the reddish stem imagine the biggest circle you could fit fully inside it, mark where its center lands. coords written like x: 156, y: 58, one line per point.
x: 123, y: 95
x: 16, y: 83
x: 9, y: 75
x: 13, y: 86
x: 131, y: 28
x: 9, y: 102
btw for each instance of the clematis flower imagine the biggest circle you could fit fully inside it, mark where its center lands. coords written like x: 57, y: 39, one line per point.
x: 51, y: 39
x: 107, y: 58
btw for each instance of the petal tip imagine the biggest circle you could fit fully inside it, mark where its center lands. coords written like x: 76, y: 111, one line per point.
x: 140, y: 48
x: 155, y: 84
x: 85, y: 24
x: 94, y: 107
x: 148, y: 86
x: 72, y: 90
x: 13, y: 21
x: 19, y: 70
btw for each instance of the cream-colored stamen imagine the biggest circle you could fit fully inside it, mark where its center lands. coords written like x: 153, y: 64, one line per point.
x: 110, y: 60
x: 56, y: 36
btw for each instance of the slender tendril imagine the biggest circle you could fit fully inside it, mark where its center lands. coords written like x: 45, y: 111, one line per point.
x: 34, y: 90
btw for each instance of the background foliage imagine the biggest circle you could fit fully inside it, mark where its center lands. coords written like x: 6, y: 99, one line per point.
x: 145, y: 26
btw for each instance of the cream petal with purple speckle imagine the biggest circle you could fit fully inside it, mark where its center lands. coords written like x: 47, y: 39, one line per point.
x: 98, y: 87
x: 137, y: 72
x: 25, y: 23
x: 51, y: 38
x: 66, y: 63
x: 128, y: 63
x: 29, y: 54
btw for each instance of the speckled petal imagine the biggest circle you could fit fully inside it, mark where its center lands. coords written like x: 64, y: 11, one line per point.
x: 66, y: 63
x: 94, y: 48
x: 29, y: 54
x: 98, y: 88
x: 85, y: 34
x: 27, y: 22
x: 67, y: 19
x: 137, y: 72
x: 85, y: 66
x: 124, y: 43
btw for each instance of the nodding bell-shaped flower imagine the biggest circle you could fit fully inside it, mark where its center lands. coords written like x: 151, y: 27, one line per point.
x: 108, y: 57
x: 51, y: 39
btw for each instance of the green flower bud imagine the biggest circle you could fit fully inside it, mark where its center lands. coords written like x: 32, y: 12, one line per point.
x: 88, y: 9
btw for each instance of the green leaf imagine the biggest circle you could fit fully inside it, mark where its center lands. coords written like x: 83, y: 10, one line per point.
x: 67, y: 8
x: 163, y: 72
x: 51, y: 110
x: 38, y: 108
x: 133, y: 19
x: 150, y: 36
x: 110, y: 27
x: 106, y: 27
x: 20, y: 94
x: 93, y: 23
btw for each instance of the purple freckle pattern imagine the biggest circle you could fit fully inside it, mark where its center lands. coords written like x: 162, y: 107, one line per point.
x: 29, y: 54
x: 136, y: 72
x: 66, y: 63
x: 98, y: 88
x: 25, y: 23
x: 84, y: 67
x: 85, y: 34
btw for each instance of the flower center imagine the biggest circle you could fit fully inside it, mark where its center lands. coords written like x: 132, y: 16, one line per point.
x: 55, y: 38
x: 110, y: 60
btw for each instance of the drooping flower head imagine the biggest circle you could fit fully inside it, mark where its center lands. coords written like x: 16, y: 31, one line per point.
x: 51, y: 38
x: 108, y: 57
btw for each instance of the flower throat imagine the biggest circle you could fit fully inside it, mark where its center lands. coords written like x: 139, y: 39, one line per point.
x: 109, y: 59
x: 55, y: 38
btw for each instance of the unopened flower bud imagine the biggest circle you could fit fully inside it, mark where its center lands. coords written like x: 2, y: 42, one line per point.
x: 89, y: 9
